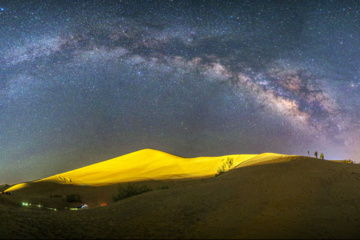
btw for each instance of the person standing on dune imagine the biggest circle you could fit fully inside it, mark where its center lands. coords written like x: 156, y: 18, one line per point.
x: 322, y: 156
x: 316, y: 154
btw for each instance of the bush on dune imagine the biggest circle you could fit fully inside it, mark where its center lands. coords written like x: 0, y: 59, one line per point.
x: 349, y: 161
x: 130, y: 190
x: 226, y: 165
x: 163, y: 187
x: 73, y: 198
x: 56, y: 196
x: 220, y: 171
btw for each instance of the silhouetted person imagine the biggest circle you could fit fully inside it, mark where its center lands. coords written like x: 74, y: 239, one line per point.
x: 316, y: 154
x: 309, y: 153
x: 322, y: 156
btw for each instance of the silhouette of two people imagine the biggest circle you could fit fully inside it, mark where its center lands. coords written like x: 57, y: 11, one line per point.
x: 321, y: 155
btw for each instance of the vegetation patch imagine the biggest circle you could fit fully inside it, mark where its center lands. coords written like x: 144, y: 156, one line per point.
x: 130, y: 190
x: 163, y: 187
x: 72, y: 198
x: 349, y: 161
x: 56, y: 196
x: 226, y: 164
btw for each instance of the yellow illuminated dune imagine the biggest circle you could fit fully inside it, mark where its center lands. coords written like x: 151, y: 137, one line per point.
x: 149, y: 164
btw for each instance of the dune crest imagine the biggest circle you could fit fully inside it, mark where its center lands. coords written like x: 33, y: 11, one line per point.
x: 149, y: 164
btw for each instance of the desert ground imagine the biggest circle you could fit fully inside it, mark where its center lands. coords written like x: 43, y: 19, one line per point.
x: 260, y: 196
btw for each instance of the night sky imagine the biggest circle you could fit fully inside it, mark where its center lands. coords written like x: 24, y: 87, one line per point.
x: 86, y: 81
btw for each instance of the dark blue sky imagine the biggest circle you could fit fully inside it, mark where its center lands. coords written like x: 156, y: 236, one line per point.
x: 86, y: 81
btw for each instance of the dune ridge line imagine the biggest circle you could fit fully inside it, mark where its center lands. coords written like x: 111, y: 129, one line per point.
x: 150, y: 164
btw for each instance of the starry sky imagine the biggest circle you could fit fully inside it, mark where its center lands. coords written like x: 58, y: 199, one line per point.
x: 86, y: 81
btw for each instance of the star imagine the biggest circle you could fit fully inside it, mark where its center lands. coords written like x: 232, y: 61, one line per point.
x: 82, y: 82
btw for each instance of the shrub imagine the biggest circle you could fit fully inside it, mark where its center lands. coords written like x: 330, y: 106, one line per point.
x: 226, y: 165
x: 130, y: 190
x: 220, y: 171
x: 56, y: 195
x: 163, y: 187
x: 73, y: 198
x: 349, y: 161
x: 229, y: 162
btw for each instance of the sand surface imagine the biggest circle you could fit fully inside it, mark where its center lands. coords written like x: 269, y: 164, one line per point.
x: 272, y: 196
x: 148, y: 164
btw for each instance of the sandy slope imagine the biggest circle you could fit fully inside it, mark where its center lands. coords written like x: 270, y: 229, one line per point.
x: 276, y: 197
x: 147, y: 164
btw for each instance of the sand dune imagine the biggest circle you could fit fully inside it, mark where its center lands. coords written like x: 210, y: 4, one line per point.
x: 148, y: 164
x: 262, y: 196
